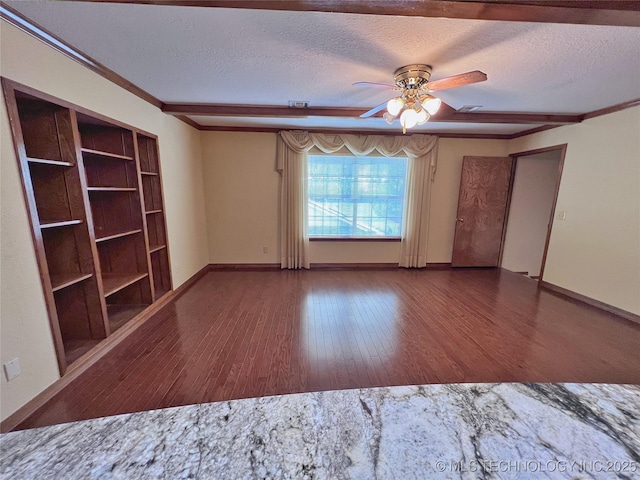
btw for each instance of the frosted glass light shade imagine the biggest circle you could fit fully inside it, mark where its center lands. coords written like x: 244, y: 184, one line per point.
x: 423, y: 116
x: 395, y: 105
x: 431, y: 105
x: 409, y: 118
x: 388, y: 117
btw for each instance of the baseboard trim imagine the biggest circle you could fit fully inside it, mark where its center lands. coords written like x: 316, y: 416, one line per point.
x: 590, y: 301
x: 439, y: 266
x: 352, y: 266
x: 318, y: 266
x: 178, y: 292
x: 91, y: 357
x: 243, y: 266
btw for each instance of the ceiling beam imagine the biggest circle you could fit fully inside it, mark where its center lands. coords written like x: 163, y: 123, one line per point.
x: 340, y: 131
x: 276, y: 111
x: 586, y: 12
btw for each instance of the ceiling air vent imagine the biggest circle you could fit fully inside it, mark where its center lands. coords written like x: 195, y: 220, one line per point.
x: 298, y: 103
x: 469, y: 108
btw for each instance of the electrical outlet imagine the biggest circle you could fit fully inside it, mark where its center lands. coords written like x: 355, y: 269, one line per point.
x: 265, y: 249
x: 12, y: 369
x: 561, y: 215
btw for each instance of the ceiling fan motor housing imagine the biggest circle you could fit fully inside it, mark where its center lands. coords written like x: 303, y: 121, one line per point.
x: 412, y: 76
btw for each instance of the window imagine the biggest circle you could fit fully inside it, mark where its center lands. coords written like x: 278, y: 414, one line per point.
x: 356, y: 196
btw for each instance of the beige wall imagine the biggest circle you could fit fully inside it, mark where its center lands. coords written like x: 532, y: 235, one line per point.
x: 242, y: 194
x: 24, y: 325
x: 534, y: 186
x: 596, y: 250
x: 444, y: 198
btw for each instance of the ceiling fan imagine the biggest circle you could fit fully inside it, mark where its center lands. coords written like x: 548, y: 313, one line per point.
x: 415, y: 104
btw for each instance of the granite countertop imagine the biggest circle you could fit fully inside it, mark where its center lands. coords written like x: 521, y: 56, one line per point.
x: 432, y: 431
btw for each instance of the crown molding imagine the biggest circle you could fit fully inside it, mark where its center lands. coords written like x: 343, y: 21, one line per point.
x: 585, y: 116
x: 612, y: 109
x: 585, y: 12
x: 531, y: 131
x: 189, y: 121
x: 23, y: 23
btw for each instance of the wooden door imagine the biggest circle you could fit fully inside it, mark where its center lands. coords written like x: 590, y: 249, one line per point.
x: 482, y: 209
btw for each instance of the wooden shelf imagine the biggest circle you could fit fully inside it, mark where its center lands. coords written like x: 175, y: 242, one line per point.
x: 112, y: 189
x: 62, y: 280
x: 121, y: 314
x: 161, y: 293
x: 74, y: 348
x: 156, y: 248
x: 49, y: 162
x: 153, y: 211
x: 153, y: 174
x: 60, y: 224
x: 114, y: 282
x: 113, y: 156
x: 117, y: 235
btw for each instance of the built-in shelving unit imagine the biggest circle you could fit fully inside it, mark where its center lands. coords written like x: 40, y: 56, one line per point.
x: 89, y: 185
x: 108, y: 154
x: 154, y: 213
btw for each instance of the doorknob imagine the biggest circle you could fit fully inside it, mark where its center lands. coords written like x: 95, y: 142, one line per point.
x: 460, y: 219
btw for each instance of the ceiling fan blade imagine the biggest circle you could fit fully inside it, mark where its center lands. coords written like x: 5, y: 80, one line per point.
x: 457, y: 80
x: 375, y: 85
x: 374, y: 110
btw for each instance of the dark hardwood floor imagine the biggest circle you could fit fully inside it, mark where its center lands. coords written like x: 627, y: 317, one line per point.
x: 248, y: 334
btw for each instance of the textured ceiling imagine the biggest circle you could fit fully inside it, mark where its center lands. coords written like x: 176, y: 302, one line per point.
x: 210, y: 55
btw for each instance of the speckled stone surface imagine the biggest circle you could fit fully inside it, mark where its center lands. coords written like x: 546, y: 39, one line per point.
x: 464, y: 431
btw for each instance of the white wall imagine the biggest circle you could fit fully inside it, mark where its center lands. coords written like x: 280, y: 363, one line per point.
x: 534, y: 186
x: 596, y: 250
x: 242, y: 194
x: 24, y: 326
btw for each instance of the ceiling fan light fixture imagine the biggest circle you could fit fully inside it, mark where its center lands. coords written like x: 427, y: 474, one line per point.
x: 423, y: 116
x: 414, y: 104
x: 431, y: 104
x: 395, y: 105
x: 409, y: 118
x: 388, y: 117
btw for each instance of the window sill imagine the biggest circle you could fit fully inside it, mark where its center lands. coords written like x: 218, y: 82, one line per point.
x: 355, y: 239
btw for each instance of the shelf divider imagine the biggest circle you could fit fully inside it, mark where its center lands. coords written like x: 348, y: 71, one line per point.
x: 114, y: 282
x: 65, y: 223
x: 156, y: 248
x: 112, y: 189
x: 62, y: 280
x: 100, y: 153
x: 117, y: 235
x: 49, y: 162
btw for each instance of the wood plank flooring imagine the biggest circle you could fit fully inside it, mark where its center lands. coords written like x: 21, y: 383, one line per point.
x: 242, y: 334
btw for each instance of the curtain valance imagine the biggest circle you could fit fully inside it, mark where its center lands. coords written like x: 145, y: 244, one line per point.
x: 414, y: 146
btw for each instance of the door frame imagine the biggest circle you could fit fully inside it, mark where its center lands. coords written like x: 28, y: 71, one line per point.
x: 563, y: 150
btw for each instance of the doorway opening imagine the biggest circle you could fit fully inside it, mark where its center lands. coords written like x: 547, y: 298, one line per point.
x: 531, y: 213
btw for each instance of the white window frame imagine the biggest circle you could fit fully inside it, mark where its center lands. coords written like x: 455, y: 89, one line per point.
x: 345, y: 153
